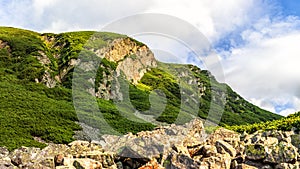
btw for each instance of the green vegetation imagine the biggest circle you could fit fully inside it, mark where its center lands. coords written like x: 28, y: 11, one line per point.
x: 23, y: 46
x: 107, y: 117
x: 158, y: 79
x: 119, y: 122
x: 30, y: 110
x: 139, y: 98
x: 105, y: 68
x: 285, y: 124
x: 255, y: 150
x: 236, y: 111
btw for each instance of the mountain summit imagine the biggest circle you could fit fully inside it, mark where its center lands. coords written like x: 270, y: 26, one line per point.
x: 56, y: 85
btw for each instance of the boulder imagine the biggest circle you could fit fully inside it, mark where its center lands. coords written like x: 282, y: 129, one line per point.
x: 222, y: 145
x: 25, y: 157
x: 219, y: 161
x: 223, y: 134
x: 178, y: 161
x: 87, y: 164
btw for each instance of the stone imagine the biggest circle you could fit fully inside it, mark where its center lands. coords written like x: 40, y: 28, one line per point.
x: 79, y: 143
x: 222, y: 134
x: 239, y: 159
x: 24, y: 156
x: 174, y: 146
x: 246, y: 166
x: 86, y: 164
x: 59, y: 159
x: 208, y: 150
x: 234, y: 164
x: 3, y: 152
x: 195, y: 150
x: 153, y: 164
x: 65, y: 167
x: 152, y: 144
x: 256, y: 139
x: 274, y: 133
x: 68, y: 161
x: 179, y: 161
x: 287, y: 166
x: 47, y: 162
x: 219, y: 161
x: 267, y: 167
x: 255, y: 152
x: 269, y: 141
x: 5, y: 162
x: 227, y: 147
x: 281, y: 153
x: 180, y: 149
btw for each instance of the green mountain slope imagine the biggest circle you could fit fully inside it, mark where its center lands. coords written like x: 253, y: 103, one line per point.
x: 39, y: 71
x: 236, y: 111
x: 30, y: 109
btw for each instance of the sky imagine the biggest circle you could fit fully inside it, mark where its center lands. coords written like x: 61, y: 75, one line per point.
x: 257, y: 41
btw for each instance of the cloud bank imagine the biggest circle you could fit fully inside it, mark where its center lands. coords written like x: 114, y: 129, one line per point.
x: 256, y: 40
x: 265, y: 68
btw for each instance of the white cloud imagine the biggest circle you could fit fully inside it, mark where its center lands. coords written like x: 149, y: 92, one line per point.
x: 265, y: 70
x: 262, y: 68
x: 263, y: 103
x: 266, y: 28
x: 15, y: 13
x: 286, y: 112
x: 60, y: 16
x: 213, y: 18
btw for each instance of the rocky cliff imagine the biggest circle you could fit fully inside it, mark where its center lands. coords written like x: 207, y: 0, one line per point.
x: 129, y: 57
x: 171, y: 147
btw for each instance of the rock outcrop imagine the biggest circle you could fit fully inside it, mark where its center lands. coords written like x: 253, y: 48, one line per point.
x: 133, y: 61
x: 179, y: 147
x: 133, y: 58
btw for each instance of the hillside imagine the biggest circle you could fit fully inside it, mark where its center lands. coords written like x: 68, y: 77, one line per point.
x: 49, y: 83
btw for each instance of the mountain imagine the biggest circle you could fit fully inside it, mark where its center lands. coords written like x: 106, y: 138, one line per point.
x: 53, y: 86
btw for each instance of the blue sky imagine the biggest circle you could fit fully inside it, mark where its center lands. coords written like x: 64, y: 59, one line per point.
x: 256, y: 40
x: 290, y: 7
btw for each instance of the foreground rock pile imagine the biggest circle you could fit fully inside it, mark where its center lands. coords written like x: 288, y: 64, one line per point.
x: 171, y: 147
